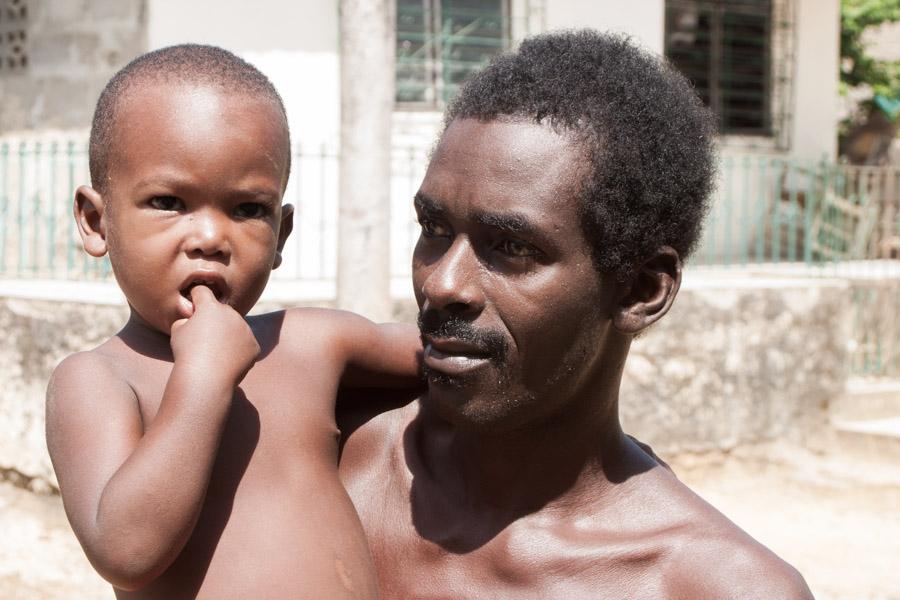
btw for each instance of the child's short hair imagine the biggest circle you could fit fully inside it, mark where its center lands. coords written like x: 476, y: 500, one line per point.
x: 184, y: 63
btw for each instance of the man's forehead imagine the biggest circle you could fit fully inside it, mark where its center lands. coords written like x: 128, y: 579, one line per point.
x: 508, y: 138
x: 503, y: 167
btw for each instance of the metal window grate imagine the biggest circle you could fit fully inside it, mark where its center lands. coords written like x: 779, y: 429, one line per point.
x: 441, y: 42
x: 724, y: 48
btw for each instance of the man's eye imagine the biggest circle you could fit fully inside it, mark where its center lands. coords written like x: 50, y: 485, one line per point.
x: 250, y: 210
x: 516, y: 248
x: 166, y: 203
x: 432, y: 229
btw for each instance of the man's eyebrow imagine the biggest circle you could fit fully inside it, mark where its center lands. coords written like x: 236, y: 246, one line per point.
x: 512, y: 222
x: 427, y: 205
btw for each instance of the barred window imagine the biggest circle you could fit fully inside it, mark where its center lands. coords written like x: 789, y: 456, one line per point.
x: 13, y: 18
x: 441, y: 42
x: 724, y: 48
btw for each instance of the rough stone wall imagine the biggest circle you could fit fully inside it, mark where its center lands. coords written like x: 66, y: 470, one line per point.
x: 737, y: 364
x: 72, y: 50
x: 729, y: 365
x: 37, y: 335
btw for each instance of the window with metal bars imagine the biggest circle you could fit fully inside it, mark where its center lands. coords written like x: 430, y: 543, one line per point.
x: 441, y: 42
x: 724, y: 48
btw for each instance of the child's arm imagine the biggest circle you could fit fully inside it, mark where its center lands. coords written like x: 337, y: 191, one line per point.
x: 382, y: 355
x: 133, y: 495
x: 370, y: 354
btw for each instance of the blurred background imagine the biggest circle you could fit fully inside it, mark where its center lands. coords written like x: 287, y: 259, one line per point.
x: 773, y: 389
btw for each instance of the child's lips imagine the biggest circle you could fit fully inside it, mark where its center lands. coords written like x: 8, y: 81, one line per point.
x: 211, y: 280
x: 213, y: 287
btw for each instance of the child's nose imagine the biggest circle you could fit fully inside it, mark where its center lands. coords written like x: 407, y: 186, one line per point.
x: 208, y: 235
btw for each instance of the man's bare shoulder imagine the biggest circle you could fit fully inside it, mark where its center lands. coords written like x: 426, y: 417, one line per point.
x: 711, y: 557
x: 372, y: 423
x: 729, y: 564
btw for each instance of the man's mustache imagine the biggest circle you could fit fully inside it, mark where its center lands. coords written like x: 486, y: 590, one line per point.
x: 489, y: 341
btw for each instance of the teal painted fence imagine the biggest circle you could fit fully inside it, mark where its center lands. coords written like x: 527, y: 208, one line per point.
x: 38, y: 238
x: 768, y: 214
x: 775, y: 210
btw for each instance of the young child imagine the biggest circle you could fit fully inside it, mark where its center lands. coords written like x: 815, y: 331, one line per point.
x: 196, y: 450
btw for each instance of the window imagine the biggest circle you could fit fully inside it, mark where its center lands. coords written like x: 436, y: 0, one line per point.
x: 13, y: 16
x: 725, y: 48
x: 441, y: 42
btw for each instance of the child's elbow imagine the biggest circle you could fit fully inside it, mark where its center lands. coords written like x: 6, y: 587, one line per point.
x: 128, y: 568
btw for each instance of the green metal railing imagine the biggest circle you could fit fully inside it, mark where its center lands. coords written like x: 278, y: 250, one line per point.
x: 37, y: 233
x: 773, y: 210
x: 769, y: 214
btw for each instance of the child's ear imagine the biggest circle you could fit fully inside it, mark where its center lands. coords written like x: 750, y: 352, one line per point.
x: 89, y: 219
x: 650, y: 293
x: 284, y: 230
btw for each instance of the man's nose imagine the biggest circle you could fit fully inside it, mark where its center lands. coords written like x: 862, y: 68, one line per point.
x: 454, y: 283
x: 208, y: 234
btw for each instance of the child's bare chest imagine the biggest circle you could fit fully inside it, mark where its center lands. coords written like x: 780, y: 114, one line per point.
x: 273, y: 493
x: 274, y: 409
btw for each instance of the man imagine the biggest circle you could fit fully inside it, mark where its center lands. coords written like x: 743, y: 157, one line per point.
x: 565, y: 192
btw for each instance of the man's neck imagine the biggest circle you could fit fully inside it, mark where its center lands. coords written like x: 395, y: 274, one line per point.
x: 568, y: 464
x: 527, y: 466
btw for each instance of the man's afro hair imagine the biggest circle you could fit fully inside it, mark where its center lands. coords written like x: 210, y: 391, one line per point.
x: 648, y: 139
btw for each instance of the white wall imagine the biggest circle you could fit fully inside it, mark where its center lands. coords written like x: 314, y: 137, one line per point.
x: 644, y: 19
x: 817, y: 55
x: 294, y: 43
x: 258, y: 26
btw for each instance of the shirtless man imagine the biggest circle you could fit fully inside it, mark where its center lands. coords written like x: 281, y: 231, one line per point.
x: 196, y: 449
x: 566, y: 190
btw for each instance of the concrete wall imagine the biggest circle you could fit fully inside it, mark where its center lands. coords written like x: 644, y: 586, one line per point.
x: 73, y: 50
x: 736, y: 361
x: 37, y: 335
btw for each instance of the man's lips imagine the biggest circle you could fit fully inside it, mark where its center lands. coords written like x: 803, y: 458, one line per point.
x: 453, y: 357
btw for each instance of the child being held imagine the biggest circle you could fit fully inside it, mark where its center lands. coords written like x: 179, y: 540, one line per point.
x: 196, y: 450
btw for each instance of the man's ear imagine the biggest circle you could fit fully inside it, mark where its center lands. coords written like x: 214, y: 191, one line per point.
x: 650, y: 293
x: 284, y: 230
x: 89, y: 219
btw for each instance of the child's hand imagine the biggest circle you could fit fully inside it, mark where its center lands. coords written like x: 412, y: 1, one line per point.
x: 215, y: 339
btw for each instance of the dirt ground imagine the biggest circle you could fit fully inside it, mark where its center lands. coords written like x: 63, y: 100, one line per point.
x: 836, y: 519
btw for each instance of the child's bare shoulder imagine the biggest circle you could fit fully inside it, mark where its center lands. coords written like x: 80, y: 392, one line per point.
x: 88, y: 390
x: 105, y: 362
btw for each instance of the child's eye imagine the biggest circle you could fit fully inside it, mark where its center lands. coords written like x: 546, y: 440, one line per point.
x: 432, y: 229
x: 166, y: 203
x: 516, y: 248
x: 250, y: 210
